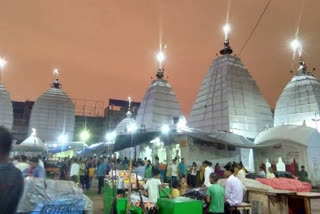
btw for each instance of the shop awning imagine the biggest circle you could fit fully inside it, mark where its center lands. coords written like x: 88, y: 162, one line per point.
x: 226, y: 138
x: 125, y: 141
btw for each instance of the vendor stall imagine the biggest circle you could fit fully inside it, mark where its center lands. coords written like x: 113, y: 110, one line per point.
x: 117, y: 191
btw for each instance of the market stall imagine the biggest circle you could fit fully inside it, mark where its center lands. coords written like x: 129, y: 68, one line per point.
x: 119, y: 187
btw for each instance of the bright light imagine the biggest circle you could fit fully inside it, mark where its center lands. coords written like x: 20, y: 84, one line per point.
x: 111, y: 136
x: 160, y: 57
x: 182, y: 123
x: 34, y: 132
x: 132, y: 128
x: 85, y: 135
x: 295, y: 44
x: 63, y: 138
x: 56, y: 71
x: 226, y: 30
x: 3, y: 63
x: 165, y: 129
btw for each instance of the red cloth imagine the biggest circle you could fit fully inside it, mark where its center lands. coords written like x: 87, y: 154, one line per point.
x: 286, y: 184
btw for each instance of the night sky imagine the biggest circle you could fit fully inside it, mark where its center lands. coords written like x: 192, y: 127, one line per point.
x: 106, y: 48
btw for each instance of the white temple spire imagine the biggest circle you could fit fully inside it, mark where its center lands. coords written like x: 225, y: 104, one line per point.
x: 56, y: 83
x: 226, y: 49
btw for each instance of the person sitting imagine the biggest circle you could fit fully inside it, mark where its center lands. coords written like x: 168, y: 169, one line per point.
x: 233, y: 188
x: 215, y: 195
x: 183, y: 185
x: 153, y: 185
x: 270, y: 174
x: 303, y: 175
x: 175, y: 191
x: 262, y: 173
x: 239, y: 171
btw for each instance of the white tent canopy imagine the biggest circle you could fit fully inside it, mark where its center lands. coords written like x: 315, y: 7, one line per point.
x: 302, y: 135
x: 32, y: 144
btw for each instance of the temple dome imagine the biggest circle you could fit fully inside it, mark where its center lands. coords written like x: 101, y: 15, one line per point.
x: 159, y: 105
x: 53, y: 115
x: 230, y: 100
x: 299, y: 103
x: 6, y: 110
x: 122, y: 127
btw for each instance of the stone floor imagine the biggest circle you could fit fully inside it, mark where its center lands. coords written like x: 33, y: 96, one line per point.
x: 97, y: 202
x: 96, y: 198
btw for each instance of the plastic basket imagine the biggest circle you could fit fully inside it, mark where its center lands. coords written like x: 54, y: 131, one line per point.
x: 136, y: 210
x: 121, y: 205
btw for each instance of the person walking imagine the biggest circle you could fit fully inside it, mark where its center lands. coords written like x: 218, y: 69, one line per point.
x: 207, y: 174
x: 11, y: 179
x: 202, y: 170
x: 182, y: 168
x: 157, y: 163
x: 194, y: 170
x: 63, y: 170
x: 82, y: 173
x: 75, y: 171
x: 36, y: 169
x: 174, y: 172
x: 101, y: 173
x: 23, y: 165
x: 148, y: 170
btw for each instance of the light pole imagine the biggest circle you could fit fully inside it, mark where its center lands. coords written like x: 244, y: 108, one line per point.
x: 63, y: 138
x: 84, y: 136
x: 110, y: 137
x: 165, y: 130
x: 131, y: 128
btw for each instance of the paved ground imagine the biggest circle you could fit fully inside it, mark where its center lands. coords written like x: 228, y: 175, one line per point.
x: 96, y: 198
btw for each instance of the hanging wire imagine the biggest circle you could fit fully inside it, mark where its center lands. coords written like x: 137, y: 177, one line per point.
x: 297, y: 33
x: 254, y: 28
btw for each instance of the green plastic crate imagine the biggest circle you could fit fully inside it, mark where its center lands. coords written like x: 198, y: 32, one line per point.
x: 180, y: 205
x: 121, y: 205
x: 136, y: 210
x: 109, y: 195
x: 162, y: 194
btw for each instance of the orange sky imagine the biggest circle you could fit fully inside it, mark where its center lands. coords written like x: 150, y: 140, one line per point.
x: 106, y: 48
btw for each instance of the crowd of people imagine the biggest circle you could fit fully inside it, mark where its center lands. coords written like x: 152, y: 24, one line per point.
x: 84, y: 170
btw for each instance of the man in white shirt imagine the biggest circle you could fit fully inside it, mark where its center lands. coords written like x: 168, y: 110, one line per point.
x: 153, y: 185
x: 23, y: 165
x: 174, y: 172
x: 40, y: 162
x: 75, y: 171
x: 207, y: 173
x: 233, y: 188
